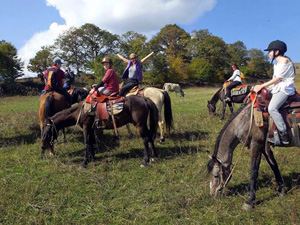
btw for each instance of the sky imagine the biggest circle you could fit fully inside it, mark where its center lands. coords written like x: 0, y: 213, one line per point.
x: 30, y: 24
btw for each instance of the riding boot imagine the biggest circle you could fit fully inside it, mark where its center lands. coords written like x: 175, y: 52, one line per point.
x: 284, y: 137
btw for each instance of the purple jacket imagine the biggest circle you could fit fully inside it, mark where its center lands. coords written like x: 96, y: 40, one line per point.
x: 139, y: 72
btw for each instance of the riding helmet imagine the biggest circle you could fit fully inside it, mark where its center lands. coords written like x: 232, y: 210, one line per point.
x: 107, y: 59
x: 277, y: 45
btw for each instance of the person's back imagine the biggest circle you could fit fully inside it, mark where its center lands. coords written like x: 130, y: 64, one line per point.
x: 59, y: 80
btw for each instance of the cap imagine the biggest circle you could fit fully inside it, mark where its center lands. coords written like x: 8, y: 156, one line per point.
x: 57, y: 60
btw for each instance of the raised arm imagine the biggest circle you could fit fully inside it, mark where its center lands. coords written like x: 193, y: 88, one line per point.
x: 123, y: 58
x: 146, y: 58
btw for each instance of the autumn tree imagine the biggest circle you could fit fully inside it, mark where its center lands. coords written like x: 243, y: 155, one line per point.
x: 172, y: 42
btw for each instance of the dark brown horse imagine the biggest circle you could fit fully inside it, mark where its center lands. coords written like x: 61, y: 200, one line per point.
x: 78, y: 94
x: 53, y: 102
x: 136, y: 111
x: 220, y: 95
x: 242, y: 129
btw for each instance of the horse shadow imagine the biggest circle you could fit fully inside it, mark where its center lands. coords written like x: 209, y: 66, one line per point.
x: 28, y: 138
x: 291, y: 182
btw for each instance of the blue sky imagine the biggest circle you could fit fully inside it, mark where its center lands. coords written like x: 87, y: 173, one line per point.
x: 30, y: 24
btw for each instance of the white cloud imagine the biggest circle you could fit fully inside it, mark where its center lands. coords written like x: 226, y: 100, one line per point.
x: 116, y: 16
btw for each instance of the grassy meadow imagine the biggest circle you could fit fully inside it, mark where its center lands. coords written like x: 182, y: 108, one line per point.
x: 115, y: 190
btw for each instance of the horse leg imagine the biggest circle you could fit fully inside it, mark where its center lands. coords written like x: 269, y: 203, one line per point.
x: 274, y: 166
x: 99, y: 139
x: 223, y: 109
x: 230, y: 107
x: 43, y: 152
x: 153, y: 149
x: 255, y: 162
x: 143, y: 131
x: 161, y: 128
x: 130, y: 134
x: 88, y: 144
x: 64, y: 135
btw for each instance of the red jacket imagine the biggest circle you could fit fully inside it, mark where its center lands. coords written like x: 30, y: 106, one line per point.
x: 111, y: 81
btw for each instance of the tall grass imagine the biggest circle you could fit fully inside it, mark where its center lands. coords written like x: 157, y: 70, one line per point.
x: 115, y: 190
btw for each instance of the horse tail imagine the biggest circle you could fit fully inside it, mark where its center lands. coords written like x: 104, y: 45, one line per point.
x: 168, y: 111
x: 153, y: 118
x: 48, y: 107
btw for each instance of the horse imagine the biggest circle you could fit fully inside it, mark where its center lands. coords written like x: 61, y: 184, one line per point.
x: 174, y: 87
x: 241, y: 128
x: 136, y: 110
x: 220, y: 95
x: 160, y: 98
x: 78, y: 94
x: 50, y: 103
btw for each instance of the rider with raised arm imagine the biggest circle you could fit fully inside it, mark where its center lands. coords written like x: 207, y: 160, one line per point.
x: 133, y: 73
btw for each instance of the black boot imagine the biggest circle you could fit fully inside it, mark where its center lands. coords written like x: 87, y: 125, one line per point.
x: 284, y: 137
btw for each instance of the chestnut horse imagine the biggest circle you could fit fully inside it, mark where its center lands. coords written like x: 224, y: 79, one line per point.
x: 136, y: 111
x: 50, y: 103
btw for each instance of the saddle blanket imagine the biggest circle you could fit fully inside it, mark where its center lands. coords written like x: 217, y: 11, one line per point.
x: 239, y: 91
x: 117, y: 107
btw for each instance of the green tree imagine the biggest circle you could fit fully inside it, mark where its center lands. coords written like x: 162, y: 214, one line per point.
x: 258, y: 64
x: 238, y: 53
x: 70, y: 47
x: 10, y: 65
x: 200, y: 71
x: 211, y: 48
x: 42, y: 60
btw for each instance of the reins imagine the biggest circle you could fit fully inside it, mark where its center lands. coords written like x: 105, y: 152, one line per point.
x: 239, y: 156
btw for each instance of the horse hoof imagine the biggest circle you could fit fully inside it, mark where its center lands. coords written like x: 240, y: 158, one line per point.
x: 162, y: 140
x: 152, y: 160
x: 248, y: 207
x: 143, y: 165
x: 83, y: 166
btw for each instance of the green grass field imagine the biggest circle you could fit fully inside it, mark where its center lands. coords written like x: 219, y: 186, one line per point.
x: 115, y: 190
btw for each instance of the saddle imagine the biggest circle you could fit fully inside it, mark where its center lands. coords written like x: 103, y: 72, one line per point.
x: 103, y: 106
x: 290, y: 112
x: 136, y: 91
x: 238, y: 90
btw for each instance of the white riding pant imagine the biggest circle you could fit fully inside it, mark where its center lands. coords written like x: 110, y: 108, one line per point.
x: 277, y: 100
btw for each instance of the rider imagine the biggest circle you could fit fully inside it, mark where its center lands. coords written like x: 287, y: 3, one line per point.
x: 110, y: 82
x: 60, y: 76
x: 281, y: 86
x: 70, y: 77
x: 133, y: 74
x: 236, y: 80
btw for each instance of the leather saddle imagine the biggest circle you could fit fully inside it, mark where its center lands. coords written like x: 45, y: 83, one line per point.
x: 136, y: 91
x: 290, y: 112
x: 104, y: 105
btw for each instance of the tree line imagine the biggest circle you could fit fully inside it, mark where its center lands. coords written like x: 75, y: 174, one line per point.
x: 180, y: 57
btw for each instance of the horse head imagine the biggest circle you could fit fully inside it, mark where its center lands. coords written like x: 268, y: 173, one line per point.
x: 220, y: 176
x: 49, y: 134
x: 211, y: 107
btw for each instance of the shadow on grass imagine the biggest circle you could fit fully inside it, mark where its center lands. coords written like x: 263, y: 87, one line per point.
x: 23, y: 139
